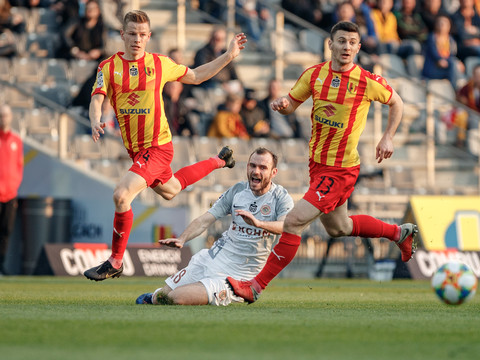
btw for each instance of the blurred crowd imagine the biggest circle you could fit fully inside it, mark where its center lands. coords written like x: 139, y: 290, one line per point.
x: 446, y: 33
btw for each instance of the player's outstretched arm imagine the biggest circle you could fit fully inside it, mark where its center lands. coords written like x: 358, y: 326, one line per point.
x: 384, y: 149
x: 206, y: 71
x: 95, y: 114
x: 274, y: 227
x: 284, y: 105
x: 194, y: 229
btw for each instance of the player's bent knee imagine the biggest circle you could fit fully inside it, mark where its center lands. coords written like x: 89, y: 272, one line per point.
x: 120, y: 197
x: 336, y: 232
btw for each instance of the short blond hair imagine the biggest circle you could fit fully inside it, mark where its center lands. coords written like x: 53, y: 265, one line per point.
x: 136, y: 16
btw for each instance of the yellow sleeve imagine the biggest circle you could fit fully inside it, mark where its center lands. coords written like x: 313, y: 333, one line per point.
x: 301, y: 91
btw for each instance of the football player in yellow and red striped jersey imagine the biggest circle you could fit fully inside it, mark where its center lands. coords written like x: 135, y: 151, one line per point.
x: 341, y: 92
x: 133, y: 81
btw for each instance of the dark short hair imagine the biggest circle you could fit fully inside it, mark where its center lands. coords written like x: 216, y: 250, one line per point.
x: 262, y: 151
x: 136, y: 16
x: 347, y: 26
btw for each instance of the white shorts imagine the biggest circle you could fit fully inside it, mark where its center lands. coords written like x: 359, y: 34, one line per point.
x: 202, y: 268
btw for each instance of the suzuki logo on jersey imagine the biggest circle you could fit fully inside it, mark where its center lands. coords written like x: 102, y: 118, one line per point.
x: 335, y: 82
x: 133, y: 99
x: 329, y: 110
x: 134, y: 111
x: 328, y: 122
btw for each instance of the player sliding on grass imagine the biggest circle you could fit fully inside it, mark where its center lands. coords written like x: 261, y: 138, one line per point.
x: 133, y: 81
x: 342, y: 93
x: 258, y: 208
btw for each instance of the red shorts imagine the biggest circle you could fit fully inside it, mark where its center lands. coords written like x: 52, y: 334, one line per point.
x: 153, y: 164
x: 330, y: 186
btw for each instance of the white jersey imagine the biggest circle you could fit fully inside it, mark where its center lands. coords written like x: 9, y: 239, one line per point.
x: 243, y: 249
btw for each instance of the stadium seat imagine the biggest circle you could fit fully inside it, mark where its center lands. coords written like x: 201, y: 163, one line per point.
x: 5, y: 69
x: 114, y: 148
x: 271, y: 144
x: 444, y: 94
x: 44, y: 20
x: 392, y: 66
x: 58, y: 93
x: 205, y: 147
x: 17, y: 99
x: 83, y: 147
x: 241, y: 148
x: 41, y: 45
x: 292, y: 177
x: 81, y: 70
x: 183, y: 152
x: 294, y: 151
x: 56, y: 71
x: 470, y: 63
x: 29, y: 70
x: 107, y: 168
x: 415, y: 65
x: 41, y: 121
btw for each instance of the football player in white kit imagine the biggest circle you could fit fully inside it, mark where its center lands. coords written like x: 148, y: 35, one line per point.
x: 258, y: 208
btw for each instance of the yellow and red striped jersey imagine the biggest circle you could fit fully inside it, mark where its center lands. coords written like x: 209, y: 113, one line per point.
x: 340, y: 107
x: 135, y: 92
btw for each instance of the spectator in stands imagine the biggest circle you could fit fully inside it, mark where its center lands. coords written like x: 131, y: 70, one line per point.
x: 177, y: 111
x: 11, y: 174
x: 410, y: 24
x: 253, y: 116
x: 9, y: 20
x: 468, y: 95
x: 386, y: 28
x: 68, y: 12
x: 227, y: 122
x: 85, y: 39
x: 430, y: 10
x: 281, y: 126
x: 253, y: 16
x: 466, y: 23
x: 363, y: 18
x: 440, y: 53
x: 214, y: 48
x: 359, y: 13
x: 112, y: 13
x: 309, y: 10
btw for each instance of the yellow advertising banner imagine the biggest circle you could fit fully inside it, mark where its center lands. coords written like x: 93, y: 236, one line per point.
x: 448, y: 222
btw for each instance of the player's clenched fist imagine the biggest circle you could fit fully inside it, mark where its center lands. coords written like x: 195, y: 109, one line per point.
x: 280, y: 104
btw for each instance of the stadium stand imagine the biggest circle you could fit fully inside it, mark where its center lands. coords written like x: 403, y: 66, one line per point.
x: 40, y: 88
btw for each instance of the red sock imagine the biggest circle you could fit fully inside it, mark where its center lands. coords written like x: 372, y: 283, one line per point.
x: 370, y: 227
x: 122, y: 224
x: 279, y: 258
x: 192, y: 173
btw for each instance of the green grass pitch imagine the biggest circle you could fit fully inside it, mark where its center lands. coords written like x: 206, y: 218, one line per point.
x: 72, y: 318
